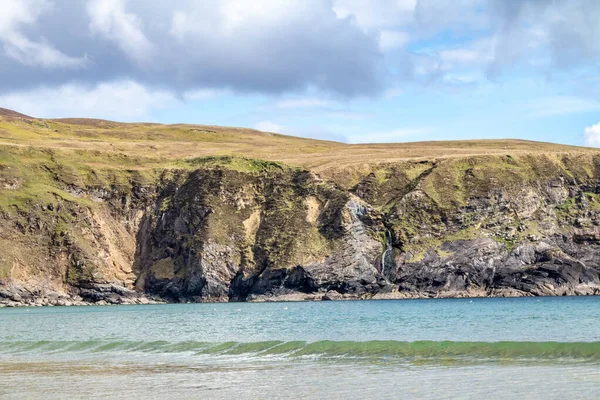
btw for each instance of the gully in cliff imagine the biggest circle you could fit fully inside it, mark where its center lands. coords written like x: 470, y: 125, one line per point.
x: 385, y: 256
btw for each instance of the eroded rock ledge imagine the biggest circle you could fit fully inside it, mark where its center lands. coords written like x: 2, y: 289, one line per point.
x: 463, y: 227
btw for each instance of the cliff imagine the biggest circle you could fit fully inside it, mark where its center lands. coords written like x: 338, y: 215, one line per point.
x: 101, y: 212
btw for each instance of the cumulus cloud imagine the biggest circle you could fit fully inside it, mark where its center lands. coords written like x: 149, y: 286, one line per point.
x: 565, y: 33
x: 434, y: 16
x: 123, y: 100
x: 546, y: 37
x: 591, y: 135
x: 338, y: 49
x: 315, y: 132
x: 14, y: 18
x: 303, y: 102
x: 110, y: 19
x: 42, y: 54
x: 203, y: 94
x: 270, y: 126
x: 376, y: 14
x: 391, y: 40
x: 266, y: 46
x: 274, y: 46
x: 478, y: 52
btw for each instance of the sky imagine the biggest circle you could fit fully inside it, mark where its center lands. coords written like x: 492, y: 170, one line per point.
x: 348, y: 70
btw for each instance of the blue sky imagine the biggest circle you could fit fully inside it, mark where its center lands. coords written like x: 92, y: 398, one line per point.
x: 347, y: 70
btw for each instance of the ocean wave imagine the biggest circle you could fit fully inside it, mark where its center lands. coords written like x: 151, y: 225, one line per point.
x: 376, y: 349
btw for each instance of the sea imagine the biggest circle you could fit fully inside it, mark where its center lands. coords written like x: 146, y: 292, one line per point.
x: 492, y: 348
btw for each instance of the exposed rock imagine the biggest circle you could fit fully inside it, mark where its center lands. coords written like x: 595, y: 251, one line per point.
x: 472, y: 227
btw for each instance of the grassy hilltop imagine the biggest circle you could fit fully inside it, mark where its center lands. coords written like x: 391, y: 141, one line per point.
x: 160, y: 144
x: 36, y: 153
x: 86, y: 145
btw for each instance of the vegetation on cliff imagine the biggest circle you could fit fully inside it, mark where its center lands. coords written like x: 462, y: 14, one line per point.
x: 94, y: 209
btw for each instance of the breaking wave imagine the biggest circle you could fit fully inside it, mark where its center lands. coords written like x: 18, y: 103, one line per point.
x: 424, y: 350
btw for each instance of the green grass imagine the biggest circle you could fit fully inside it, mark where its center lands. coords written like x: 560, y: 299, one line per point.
x: 568, y: 205
x: 41, y: 161
x: 241, y: 164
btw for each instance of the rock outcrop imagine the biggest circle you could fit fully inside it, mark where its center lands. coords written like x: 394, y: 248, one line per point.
x: 250, y: 230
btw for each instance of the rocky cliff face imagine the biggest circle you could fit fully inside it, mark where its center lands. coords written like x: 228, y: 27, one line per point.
x: 248, y: 230
x: 219, y: 234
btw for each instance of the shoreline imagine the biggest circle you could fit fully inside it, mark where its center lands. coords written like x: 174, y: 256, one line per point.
x: 143, y: 299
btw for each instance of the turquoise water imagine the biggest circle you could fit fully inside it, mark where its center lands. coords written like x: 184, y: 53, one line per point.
x: 447, y: 348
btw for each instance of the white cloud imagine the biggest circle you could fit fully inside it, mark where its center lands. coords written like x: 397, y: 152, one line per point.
x: 109, y: 18
x: 303, y: 102
x: 477, y: 52
x: 560, y: 105
x: 15, y: 13
x: 16, y: 45
x: 236, y: 13
x: 458, y: 79
x: 114, y: 100
x: 274, y: 45
x: 385, y: 16
x: 434, y: 16
x: 41, y: 54
x: 269, y: 126
x: 390, y: 40
x: 462, y: 56
x: 203, y: 94
x: 318, y: 106
x: 311, y: 54
x: 376, y: 14
x: 592, y: 135
x: 314, y: 132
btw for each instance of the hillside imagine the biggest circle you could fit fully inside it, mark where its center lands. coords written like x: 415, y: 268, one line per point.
x: 166, y: 144
x: 100, y: 211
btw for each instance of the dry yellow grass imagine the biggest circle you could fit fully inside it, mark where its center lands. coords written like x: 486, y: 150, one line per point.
x: 157, y: 144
